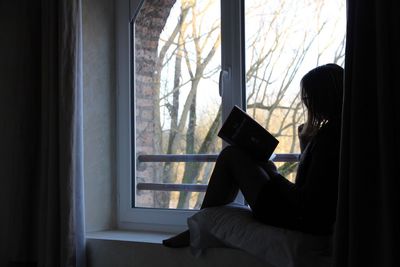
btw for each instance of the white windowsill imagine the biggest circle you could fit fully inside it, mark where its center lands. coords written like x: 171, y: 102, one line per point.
x: 132, y: 236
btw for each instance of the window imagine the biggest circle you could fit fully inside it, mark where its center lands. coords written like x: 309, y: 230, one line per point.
x: 178, y: 107
x: 182, y: 65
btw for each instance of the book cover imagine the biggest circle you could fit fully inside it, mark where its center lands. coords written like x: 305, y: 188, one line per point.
x: 243, y: 131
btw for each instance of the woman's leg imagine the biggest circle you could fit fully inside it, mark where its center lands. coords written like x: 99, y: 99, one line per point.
x: 233, y: 170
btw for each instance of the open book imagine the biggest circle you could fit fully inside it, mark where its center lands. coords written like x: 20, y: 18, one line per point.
x: 243, y: 131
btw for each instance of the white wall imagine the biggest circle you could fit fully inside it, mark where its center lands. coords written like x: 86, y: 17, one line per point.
x: 99, y: 113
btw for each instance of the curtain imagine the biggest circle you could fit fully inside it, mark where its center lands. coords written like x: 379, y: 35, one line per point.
x: 41, y: 198
x: 368, y: 226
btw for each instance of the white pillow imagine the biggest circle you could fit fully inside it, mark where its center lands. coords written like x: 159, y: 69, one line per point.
x: 234, y: 226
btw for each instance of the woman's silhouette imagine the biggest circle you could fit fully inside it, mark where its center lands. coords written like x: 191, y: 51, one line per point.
x: 309, y: 204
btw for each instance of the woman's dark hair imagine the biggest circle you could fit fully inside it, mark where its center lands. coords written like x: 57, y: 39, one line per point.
x: 322, y: 94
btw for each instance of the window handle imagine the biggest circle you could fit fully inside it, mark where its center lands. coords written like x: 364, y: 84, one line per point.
x: 223, y: 76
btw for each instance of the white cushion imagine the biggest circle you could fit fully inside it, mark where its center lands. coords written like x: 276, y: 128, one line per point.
x: 234, y: 226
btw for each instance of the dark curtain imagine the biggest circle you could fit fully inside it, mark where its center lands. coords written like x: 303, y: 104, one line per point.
x: 41, y: 185
x: 368, y: 226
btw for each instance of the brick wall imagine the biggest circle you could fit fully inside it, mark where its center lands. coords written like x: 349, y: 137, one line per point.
x: 148, y: 26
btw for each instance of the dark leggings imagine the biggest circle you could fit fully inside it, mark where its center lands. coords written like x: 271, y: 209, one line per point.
x: 235, y: 170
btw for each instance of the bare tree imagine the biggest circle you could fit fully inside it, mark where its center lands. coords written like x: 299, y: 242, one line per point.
x: 267, y: 94
x: 183, y: 123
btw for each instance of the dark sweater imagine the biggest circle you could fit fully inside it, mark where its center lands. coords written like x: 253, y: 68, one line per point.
x: 309, y: 204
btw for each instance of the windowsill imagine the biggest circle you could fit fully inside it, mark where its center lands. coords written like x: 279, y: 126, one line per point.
x: 131, y: 236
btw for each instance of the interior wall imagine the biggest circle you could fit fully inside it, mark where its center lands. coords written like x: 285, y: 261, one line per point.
x: 99, y: 113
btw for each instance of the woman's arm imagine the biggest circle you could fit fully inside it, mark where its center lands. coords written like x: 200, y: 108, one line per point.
x: 314, y: 201
x: 309, y: 206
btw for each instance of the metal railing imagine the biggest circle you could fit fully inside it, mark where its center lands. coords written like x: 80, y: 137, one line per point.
x: 289, y: 157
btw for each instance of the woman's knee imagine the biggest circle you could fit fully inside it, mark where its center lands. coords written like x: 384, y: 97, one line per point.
x: 232, y: 152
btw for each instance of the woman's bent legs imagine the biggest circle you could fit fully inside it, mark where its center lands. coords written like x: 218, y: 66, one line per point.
x: 233, y: 170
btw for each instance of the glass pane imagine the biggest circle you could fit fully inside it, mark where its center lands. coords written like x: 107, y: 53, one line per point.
x: 177, y: 104
x: 285, y: 39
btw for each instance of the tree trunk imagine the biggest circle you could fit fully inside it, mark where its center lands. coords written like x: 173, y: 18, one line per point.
x: 191, y: 176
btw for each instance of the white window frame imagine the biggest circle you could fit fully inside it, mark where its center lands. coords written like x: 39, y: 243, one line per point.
x: 232, y: 25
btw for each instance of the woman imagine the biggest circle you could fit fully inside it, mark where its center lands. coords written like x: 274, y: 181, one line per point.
x: 309, y: 204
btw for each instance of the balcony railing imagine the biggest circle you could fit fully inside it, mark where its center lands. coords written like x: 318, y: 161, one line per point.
x: 290, y: 157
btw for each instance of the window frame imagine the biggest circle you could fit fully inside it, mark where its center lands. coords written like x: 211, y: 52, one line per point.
x: 154, y: 219
x: 232, y: 84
